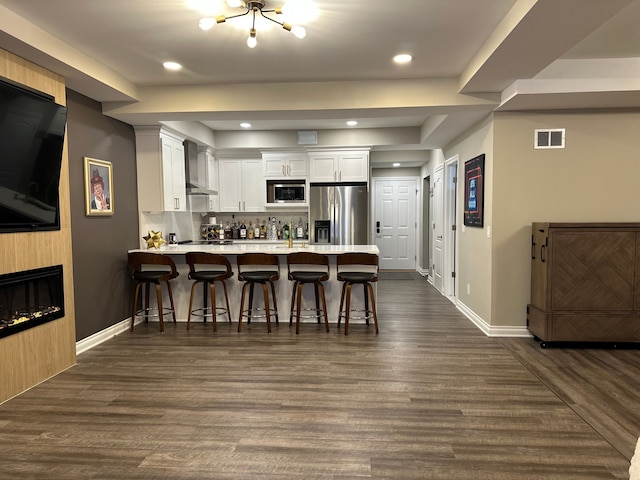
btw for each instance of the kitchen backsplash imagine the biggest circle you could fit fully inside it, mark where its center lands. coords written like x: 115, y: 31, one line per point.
x: 186, y: 225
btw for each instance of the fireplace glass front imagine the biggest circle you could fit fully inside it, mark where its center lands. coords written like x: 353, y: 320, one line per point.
x: 30, y: 298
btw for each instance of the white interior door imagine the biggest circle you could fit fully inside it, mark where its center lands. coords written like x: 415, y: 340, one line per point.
x: 450, y: 225
x: 394, y: 222
x: 438, y: 226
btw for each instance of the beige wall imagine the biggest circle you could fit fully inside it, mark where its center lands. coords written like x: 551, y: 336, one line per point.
x: 594, y: 179
x: 474, y: 262
x: 29, y: 357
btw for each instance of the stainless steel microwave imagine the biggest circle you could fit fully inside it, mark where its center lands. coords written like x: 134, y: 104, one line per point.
x: 286, y: 191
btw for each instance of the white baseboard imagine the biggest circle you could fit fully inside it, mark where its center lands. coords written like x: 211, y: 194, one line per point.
x: 489, y: 330
x: 102, y: 336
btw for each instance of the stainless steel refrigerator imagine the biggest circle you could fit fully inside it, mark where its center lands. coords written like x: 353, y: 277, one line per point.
x: 338, y: 214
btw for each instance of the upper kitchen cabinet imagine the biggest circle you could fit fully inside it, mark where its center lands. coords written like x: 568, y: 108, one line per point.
x: 285, y: 165
x: 242, y: 187
x: 161, y: 170
x: 345, y: 167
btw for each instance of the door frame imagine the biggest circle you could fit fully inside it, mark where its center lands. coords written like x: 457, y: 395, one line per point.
x: 425, y: 241
x: 450, y: 242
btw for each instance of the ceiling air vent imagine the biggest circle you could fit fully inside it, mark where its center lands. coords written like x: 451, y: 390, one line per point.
x: 549, y: 138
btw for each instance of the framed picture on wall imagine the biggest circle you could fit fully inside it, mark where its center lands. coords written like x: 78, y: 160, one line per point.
x: 98, y: 187
x: 474, y: 192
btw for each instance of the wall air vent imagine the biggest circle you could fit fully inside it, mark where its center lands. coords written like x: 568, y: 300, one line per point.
x: 549, y: 138
x: 307, y: 138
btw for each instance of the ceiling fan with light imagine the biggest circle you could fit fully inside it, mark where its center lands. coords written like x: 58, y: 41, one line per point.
x: 252, y: 7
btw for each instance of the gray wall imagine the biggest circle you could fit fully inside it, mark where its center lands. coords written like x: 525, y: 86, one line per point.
x: 102, y: 285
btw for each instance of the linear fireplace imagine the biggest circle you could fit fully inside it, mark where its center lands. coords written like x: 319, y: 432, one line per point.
x: 30, y: 298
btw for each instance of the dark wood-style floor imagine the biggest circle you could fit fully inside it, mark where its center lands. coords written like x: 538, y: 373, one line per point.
x: 430, y: 397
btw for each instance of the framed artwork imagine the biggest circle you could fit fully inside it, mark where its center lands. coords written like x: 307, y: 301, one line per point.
x: 474, y: 192
x: 98, y: 187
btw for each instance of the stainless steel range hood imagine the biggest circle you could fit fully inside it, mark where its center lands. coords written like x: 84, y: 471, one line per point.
x: 195, y: 174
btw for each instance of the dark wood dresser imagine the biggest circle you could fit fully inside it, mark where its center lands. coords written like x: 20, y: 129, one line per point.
x: 585, y: 282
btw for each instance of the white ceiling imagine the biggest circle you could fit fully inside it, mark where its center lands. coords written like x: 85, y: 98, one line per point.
x: 470, y: 57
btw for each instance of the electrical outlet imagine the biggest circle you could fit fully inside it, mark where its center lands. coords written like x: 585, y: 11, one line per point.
x: 489, y: 231
x: 468, y: 289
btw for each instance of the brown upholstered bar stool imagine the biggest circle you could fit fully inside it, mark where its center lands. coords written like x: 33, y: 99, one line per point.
x: 307, y: 268
x: 357, y: 269
x: 261, y: 269
x: 208, y: 268
x: 148, y: 269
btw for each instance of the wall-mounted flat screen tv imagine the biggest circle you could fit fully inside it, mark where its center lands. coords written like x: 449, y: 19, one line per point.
x: 32, y: 130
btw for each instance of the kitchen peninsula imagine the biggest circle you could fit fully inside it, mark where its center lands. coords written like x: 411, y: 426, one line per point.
x: 182, y: 285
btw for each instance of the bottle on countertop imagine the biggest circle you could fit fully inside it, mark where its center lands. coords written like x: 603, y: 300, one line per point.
x: 285, y: 232
x: 228, y: 233
x: 235, y: 231
x: 243, y: 230
x: 293, y: 232
x: 300, y: 233
x: 251, y: 232
x: 257, y: 232
x: 264, y: 233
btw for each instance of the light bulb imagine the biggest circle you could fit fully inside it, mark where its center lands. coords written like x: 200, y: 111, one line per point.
x: 206, y: 23
x: 234, y: 3
x: 299, y: 32
x: 252, y: 41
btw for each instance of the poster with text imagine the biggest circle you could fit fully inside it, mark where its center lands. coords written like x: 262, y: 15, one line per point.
x: 474, y: 192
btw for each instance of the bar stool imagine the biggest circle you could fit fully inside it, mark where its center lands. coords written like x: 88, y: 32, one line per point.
x: 202, y: 269
x: 307, y: 268
x: 262, y: 269
x: 357, y: 269
x: 152, y: 268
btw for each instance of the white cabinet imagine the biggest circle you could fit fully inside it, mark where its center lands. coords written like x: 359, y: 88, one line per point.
x: 339, y: 166
x: 285, y: 165
x: 161, y: 170
x: 242, y: 187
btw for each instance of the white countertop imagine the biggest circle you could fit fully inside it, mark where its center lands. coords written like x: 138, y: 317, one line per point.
x: 277, y: 248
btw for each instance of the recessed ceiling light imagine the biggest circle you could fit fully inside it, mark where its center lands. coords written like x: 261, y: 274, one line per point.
x: 245, y: 125
x: 402, y: 58
x: 173, y: 66
x: 352, y: 123
x: 396, y: 164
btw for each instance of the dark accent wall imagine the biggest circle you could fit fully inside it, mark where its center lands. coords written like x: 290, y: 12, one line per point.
x: 101, y: 279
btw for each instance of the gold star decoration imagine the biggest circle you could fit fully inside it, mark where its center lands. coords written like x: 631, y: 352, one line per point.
x: 154, y: 239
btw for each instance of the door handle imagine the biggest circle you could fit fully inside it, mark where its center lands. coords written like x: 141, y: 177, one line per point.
x: 378, y: 227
